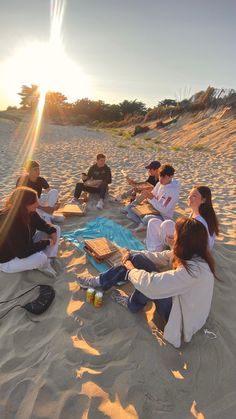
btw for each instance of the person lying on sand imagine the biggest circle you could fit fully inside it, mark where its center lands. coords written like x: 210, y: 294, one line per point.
x: 96, y: 181
x: 182, y: 294
x: 21, y: 247
x: 160, y: 233
x: 135, y: 186
x: 163, y: 198
x: 48, y: 201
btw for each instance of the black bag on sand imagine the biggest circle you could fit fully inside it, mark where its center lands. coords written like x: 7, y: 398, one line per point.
x: 37, y: 306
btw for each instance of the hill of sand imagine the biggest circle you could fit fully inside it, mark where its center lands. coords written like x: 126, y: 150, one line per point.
x: 77, y: 361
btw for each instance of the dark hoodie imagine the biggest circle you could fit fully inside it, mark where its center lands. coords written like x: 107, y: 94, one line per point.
x: 19, y: 238
x: 100, y: 173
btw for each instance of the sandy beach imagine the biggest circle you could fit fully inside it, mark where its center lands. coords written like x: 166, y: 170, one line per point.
x: 77, y: 361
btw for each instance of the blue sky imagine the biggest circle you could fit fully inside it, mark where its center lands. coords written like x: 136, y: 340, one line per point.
x: 149, y: 50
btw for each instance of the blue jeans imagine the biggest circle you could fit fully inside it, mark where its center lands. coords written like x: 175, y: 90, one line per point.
x: 137, y: 300
x: 134, y: 217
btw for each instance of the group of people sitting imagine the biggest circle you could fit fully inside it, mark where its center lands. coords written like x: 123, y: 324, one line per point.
x: 177, y: 269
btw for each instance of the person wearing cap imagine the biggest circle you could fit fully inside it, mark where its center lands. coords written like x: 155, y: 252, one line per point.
x: 163, y: 198
x: 48, y: 201
x: 152, y: 180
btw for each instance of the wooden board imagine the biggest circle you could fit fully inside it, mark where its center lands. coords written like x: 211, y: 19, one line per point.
x: 73, y: 209
x: 143, y: 186
x: 116, y: 258
x: 103, y: 250
x: 100, y: 248
x: 144, y: 209
x: 93, y: 183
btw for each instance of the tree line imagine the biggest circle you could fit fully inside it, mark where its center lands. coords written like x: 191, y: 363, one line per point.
x: 85, y: 111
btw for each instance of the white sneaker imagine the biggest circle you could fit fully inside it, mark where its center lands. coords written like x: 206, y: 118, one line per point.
x: 59, y: 218
x: 140, y: 227
x: 100, y: 204
x: 73, y: 201
x: 86, y: 283
x: 117, y: 198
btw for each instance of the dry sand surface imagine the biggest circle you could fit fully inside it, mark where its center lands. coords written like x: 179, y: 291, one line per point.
x: 81, y: 362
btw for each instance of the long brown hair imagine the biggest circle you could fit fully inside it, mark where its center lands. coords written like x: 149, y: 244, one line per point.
x: 206, y: 210
x: 191, y: 240
x: 15, y: 207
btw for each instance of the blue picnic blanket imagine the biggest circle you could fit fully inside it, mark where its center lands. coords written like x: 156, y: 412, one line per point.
x: 103, y: 227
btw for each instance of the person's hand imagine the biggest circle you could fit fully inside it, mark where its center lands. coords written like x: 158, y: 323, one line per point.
x: 53, y: 238
x: 170, y: 241
x: 131, y: 182
x: 147, y: 194
x: 128, y: 264
x: 84, y: 177
x: 126, y: 256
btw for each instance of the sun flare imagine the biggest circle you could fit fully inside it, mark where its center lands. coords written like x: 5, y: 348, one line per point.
x: 48, y: 66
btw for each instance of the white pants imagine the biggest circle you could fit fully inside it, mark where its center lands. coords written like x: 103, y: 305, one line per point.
x: 35, y: 261
x: 49, y: 199
x: 50, y: 251
x: 157, y: 234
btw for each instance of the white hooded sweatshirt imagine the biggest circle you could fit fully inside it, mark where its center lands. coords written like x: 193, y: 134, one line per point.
x: 192, y: 293
x: 166, y: 198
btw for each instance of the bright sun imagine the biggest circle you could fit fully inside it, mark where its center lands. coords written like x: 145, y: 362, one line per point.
x: 46, y: 65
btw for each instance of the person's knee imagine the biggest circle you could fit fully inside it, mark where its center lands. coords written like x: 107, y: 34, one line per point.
x: 133, y: 308
x: 54, y: 192
x: 136, y: 259
x: 79, y: 185
x: 152, y: 223
x: 42, y: 259
x: 58, y: 228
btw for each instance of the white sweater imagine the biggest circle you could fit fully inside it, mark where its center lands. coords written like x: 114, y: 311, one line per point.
x: 192, y: 295
x: 166, y: 198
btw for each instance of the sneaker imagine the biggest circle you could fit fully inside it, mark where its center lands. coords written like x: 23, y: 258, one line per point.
x: 140, y: 227
x: 120, y: 297
x: 100, y: 204
x: 86, y: 283
x: 48, y: 271
x: 59, y: 218
x: 74, y: 201
x: 117, y: 198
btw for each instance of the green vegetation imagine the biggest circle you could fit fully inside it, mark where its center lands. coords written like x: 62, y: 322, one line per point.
x: 99, y: 114
x: 120, y: 145
x: 127, y: 136
x: 176, y: 148
x: 197, y: 147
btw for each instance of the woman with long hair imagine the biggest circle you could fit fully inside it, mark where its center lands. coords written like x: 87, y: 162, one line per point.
x: 160, y: 233
x: 182, y: 294
x: 21, y: 246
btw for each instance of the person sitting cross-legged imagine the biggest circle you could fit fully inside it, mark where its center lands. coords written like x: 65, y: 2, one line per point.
x: 48, y: 200
x: 98, y: 172
x: 182, y: 293
x: 163, y: 198
x: 153, y: 178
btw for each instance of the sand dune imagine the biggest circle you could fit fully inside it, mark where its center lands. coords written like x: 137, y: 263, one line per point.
x: 81, y: 362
